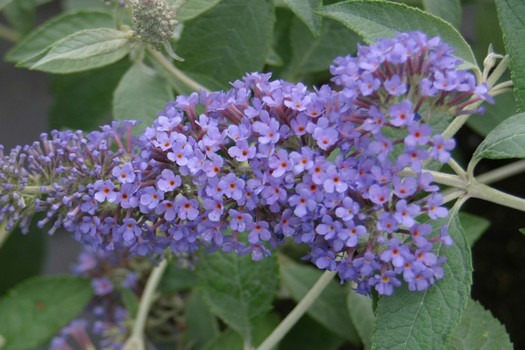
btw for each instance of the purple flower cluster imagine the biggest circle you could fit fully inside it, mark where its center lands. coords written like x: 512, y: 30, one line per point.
x: 106, y: 317
x: 241, y: 170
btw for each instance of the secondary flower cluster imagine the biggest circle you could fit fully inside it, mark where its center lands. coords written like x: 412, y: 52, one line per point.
x: 340, y: 171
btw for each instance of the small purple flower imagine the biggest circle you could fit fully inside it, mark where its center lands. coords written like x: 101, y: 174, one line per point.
x: 102, y: 286
x: 232, y: 186
x: 441, y: 147
x: 239, y: 220
x: 124, y: 174
x: 269, y: 132
x: 215, y: 208
x: 188, y: 209
x: 105, y: 191
x: 348, y: 209
x: 129, y: 230
x: 401, y: 113
x: 395, y: 86
x: 150, y: 197
x: 242, y: 151
x: 259, y: 231
x: 385, y: 283
x: 433, y: 207
x: 168, y: 181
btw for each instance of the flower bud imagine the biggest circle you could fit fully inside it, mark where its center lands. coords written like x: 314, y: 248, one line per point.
x: 153, y: 21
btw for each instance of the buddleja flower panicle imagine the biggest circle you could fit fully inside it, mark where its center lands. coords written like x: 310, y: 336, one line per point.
x: 241, y: 170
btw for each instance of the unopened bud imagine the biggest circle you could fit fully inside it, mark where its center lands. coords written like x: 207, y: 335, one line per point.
x: 153, y: 21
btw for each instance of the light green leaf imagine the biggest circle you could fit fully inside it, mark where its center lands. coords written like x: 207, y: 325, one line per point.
x: 193, y: 8
x: 304, y: 10
x: 84, y: 50
x: 362, y: 315
x: 93, y: 90
x: 330, y: 307
x: 54, y: 30
x: 35, y: 310
x: 474, y: 226
x: 510, y: 14
x: 21, y: 14
x: 507, y: 140
x: 229, y: 340
x: 140, y: 95
x: 228, y: 40
x: 75, y: 5
x: 479, y: 330
x: 238, y: 289
x: 449, y: 10
x: 311, y: 54
x: 380, y: 19
x: 201, y: 326
x: 425, y: 320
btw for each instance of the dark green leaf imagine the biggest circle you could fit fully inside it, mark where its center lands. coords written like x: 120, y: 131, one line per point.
x: 35, y: 310
x: 522, y: 230
x: 140, y: 95
x: 307, y: 335
x: 228, y: 40
x: 54, y: 30
x: 362, y: 315
x: 193, y: 8
x: 84, y: 50
x: 131, y: 302
x: 474, y: 226
x: 507, y: 140
x: 510, y: 14
x: 92, y: 90
x: 176, y: 279
x: 201, y: 326
x: 330, y: 307
x: 425, y: 320
x: 238, y: 289
x: 380, y: 19
x: 477, y: 330
x: 311, y: 54
x: 449, y: 10
x: 26, y: 252
x: 304, y: 10
x: 229, y: 340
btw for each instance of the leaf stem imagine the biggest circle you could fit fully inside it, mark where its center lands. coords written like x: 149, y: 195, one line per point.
x: 299, y: 310
x: 8, y: 34
x: 136, y: 340
x: 478, y: 190
x: 183, y: 78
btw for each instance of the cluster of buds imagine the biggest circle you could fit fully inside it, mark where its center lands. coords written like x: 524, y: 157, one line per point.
x: 153, y: 21
x: 268, y: 160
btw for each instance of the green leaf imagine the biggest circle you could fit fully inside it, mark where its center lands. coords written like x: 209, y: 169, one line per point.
x: 228, y: 40
x: 140, y: 95
x: 522, y: 231
x: 478, y: 329
x: 380, y: 19
x: 307, y: 335
x: 26, y: 252
x: 425, y: 320
x: 193, y: 8
x: 311, y: 54
x: 92, y: 90
x: 449, y: 10
x: 84, y: 50
x: 507, y: 140
x: 304, y: 10
x: 238, y: 289
x: 35, y: 310
x: 330, y: 307
x: 21, y: 14
x: 176, y: 279
x: 201, y: 326
x: 131, y: 301
x: 230, y: 340
x: 4, y: 3
x: 474, y: 226
x: 510, y: 14
x: 54, y: 30
x: 496, y: 113
x: 362, y: 315
x: 75, y: 5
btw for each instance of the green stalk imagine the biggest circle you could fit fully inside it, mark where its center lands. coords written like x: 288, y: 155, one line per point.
x: 136, y: 340
x: 179, y: 75
x: 299, y: 310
